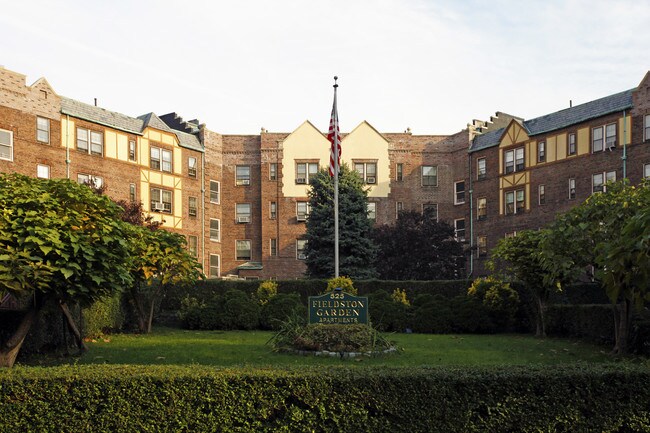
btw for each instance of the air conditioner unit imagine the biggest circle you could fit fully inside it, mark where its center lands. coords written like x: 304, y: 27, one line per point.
x: 243, y: 182
x: 301, y: 180
x: 243, y: 219
x: 301, y: 217
x: 158, y: 207
x: 302, y: 256
x: 371, y: 179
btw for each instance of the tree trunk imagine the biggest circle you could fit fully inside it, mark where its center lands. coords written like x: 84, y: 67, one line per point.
x: 617, y: 328
x: 152, y: 305
x: 541, y: 320
x: 623, y: 328
x: 10, y: 349
x: 73, y: 327
x: 140, y: 312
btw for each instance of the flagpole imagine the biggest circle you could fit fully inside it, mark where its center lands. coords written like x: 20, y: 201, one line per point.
x: 336, y: 188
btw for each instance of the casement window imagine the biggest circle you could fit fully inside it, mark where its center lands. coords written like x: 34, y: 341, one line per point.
x: 514, y: 160
x: 399, y: 207
x: 161, y: 200
x: 571, y: 144
x: 646, y: 127
x: 6, y: 145
x: 599, y: 180
x: 510, y: 235
x: 572, y: 189
x: 90, y: 141
x: 273, y: 171
x: 132, y: 150
x: 371, y: 210
x: 215, y: 230
x: 214, y: 191
x: 515, y: 201
x: 160, y: 159
x: 191, y: 166
x: 192, y: 245
x: 430, y: 208
x: 302, y: 210
x: 132, y: 192
x: 243, y: 175
x: 541, y: 151
x: 367, y: 171
x: 646, y: 170
x: 399, y: 172
x: 89, y: 179
x: 43, y: 171
x: 481, y: 206
x: 305, y: 171
x: 541, y: 194
x: 301, y: 245
x: 43, y: 129
x: 459, y: 230
x: 273, y: 210
x: 243, y: 250
x: 459, y: 192
x: 214, y: 271
x: 429, y: 175
x: 192, y: 206
x: 273, y: 247
x: 243, y: 213
x: 481, y: 246
x: 481, y: 169
x: 603, y: 138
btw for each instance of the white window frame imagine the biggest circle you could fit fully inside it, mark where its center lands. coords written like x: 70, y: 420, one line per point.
x: 237, y: 250
x: 42, y: 171
x: 192, y: 201
x: 93, y: 140
x: 646, y: 171
x: 273, y: 210
x: 457, y: 192
x: 367, y: 171
x: 243, y: 213
x: 83, y: 178
x: 215, y: 230
x: 481, y: 172
x: 243, y: 175
x: 301, y: 245
x: 541, y: 151
x: 516, y: 194
x: 607, y: 137
x: 572, y: 144
x: 302, y: 210
x: 273, y: 171
x: 541, y: 195
x: 167, y: 206
x: 572, y: 188
x: 514, y: 160
x: 192, y: 166
x: 426, y: 206
x: 480, y: 200
x: 305, y: 171
x: 429, y: 179
x: 133, y: 150
x: 212, y: 267
x: 604, y: 178
x: 215, y: 194
x: 9, y: 145
x: 371, y: 210
x: 160, y: 159
x: 457, y: 230
x: 646, y: 127
x: 43, y: 129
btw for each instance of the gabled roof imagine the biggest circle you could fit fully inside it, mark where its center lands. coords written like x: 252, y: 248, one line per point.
x: 489, y: 139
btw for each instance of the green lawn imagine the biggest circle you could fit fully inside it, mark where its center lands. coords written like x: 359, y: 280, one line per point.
x: 239, y: 348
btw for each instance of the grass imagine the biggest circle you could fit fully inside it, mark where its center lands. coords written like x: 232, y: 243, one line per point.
x: 240, y: 348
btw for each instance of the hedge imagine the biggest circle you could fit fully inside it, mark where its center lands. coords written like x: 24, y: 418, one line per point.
x: 603, y: 398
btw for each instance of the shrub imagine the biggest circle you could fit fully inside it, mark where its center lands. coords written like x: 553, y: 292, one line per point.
x: 331, y: 338
x: 103, y: 316
x: 501, y: 300
x: 278, y: 310
x: 344, y: 283
x: 386, y: 314
x: 399, y: 296
x: 191, y: 313
x: 238, y: 311
x: 265, y: 291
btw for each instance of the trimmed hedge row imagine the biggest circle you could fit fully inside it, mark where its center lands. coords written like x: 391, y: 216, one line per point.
x: 603, y: 398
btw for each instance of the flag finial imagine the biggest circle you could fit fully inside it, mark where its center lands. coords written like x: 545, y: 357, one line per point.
x: 335, y: 78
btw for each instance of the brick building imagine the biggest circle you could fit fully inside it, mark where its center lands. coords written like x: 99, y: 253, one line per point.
x: 241, y: 200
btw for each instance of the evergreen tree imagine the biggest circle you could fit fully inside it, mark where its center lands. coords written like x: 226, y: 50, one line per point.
x: 356, y: 248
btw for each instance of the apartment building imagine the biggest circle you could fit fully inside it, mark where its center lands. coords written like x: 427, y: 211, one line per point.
x: 242, y: 200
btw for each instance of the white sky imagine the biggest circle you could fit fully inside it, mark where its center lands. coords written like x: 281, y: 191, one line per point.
x: 240, y: 65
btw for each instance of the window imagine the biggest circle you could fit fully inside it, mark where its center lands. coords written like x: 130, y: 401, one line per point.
x: 89, y: 179
x: 372, y: 210
x: 214, y: 271
x: 572, y: 144
x: 481, y: 169
x: 367, y: 171
x: 214, y: 191
x: 541, y: 193
x: 514, y: 160
x: 43, y: 171
x: 305, y: 171
x: 6, y: 145
x: 541, y: 151
x: 243, y: 175
x: 273, y: 171
x: 459, y: 189
x: 191, y: 166
x: 132, y: 150
x: 481, y: 205
x: 96, y: 140
x: 132, y: 192
x: 429, y: 175
x: 43, y: 129
x: 243, y: 212
x: 192, y: 245
x: 215, y: 230
x: 161, y: 200
x: 510, y: 235
x: 302, y: 210
x: 301, y: 244
x: 431, y: 208
x: 191, y: 206
x: 646, y: 126
x: 459, y: 230
x: 572, y: 189
x: 399, y: 207
x: 646, y: 170
x: 599, y: 180
x: 481, y: 246
x: 515, y: 201
x: 161, y: 159
x: 399, y: 172
x: 274, y: 247
x: 609, y: 132
x: 243, y: 250
x: 273, y: 213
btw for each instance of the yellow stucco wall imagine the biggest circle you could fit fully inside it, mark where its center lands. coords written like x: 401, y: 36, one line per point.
x: 364, y: 143
x: 305, y: 143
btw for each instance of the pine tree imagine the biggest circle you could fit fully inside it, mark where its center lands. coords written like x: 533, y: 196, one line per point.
x: 356, y: 249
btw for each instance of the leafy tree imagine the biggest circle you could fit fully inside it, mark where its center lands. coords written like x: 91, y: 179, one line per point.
x: 356, y: 249
x: 418, y: 247
x: 59, y: 242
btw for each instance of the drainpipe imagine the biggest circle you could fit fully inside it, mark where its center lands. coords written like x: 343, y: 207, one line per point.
x: 202, y: 135
x: 67, y: 146
x: 471, y: 218
x: 624, y: 157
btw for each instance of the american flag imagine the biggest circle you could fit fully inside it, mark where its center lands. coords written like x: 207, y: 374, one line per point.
x: 333, y: 135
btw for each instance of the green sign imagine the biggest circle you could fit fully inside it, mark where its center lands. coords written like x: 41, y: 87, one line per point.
x: 338, y: 307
